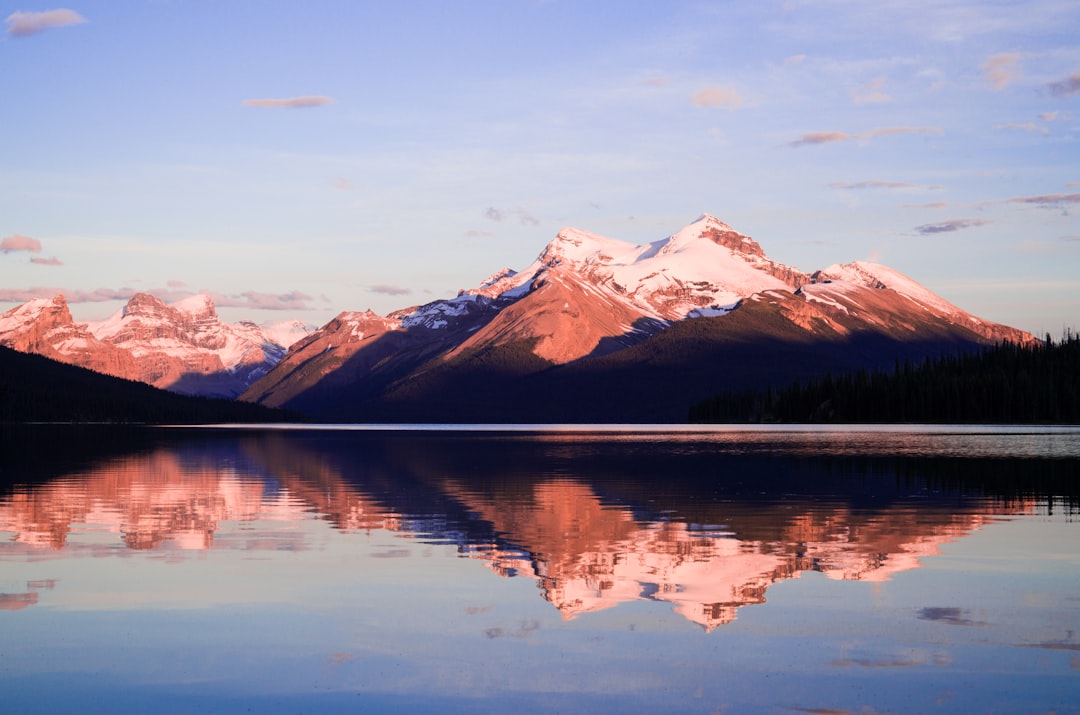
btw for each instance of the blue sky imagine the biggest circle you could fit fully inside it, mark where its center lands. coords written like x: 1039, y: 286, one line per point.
x: 300, y: 159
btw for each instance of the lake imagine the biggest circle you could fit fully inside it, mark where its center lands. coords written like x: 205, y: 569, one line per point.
x: 906, y: 569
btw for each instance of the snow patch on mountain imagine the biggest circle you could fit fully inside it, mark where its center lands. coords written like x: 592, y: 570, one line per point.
x: 705, y: 266
x: 875, y: 275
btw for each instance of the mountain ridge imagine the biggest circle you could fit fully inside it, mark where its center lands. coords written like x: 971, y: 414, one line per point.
x: 589, y: 329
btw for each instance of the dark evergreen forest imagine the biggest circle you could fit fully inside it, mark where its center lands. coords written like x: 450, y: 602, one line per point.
x: 37, y: 389
x: 1007, y: 383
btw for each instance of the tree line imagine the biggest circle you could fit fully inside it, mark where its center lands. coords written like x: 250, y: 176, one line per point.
x: 37, y: 389
x: 1005, y: 383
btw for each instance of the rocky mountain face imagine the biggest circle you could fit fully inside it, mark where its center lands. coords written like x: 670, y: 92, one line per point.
x: 601, y: 330
x: 182, y: 347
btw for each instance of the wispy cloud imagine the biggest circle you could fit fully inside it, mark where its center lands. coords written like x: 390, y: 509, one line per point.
x: 871, y: 93
x: 1049, y: 116
x: 931, y: 205
x: 501, y: 215
x: 253, y: 300
x: 1002, y: 69
x: 389, y: 289
x: 1026, y: 127
x: 718, y: 97
x: 815, y: 138
x: 24, y: 24
x: 794, y: 60
x: 1044, y: 201
x: 305, y: 102
x: 51, y: 261
x: 18, y: 242
x: 293, y: 300
x: 1066, y: 87
x: 956, y: 224
x: 656, y: 81
x: 475, y: 233
x: 873, y: 184
x: 100, y: 295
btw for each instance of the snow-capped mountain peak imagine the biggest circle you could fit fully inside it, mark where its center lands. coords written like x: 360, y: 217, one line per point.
x: 184, y: 346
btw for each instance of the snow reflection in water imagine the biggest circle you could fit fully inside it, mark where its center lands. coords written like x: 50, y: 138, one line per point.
x: 361, y: 541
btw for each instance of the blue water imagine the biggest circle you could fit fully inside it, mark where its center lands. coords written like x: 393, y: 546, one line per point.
x: 538, y: 569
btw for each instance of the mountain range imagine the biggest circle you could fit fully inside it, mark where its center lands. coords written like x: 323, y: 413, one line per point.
x: 594, y: 330
x: 183, y: 347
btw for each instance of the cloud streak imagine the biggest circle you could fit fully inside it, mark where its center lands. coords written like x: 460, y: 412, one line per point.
x: 99, y: 295
x: 874, y: 184
x: 18, y: 242
x: 1026, y: 127
x: 305, y: 102
x: 871, y: 93
x: 718, y: 98
x: 252, y: 300
x: 1002, y: 69
x: 293, y: 300
x: 25, y: 24
x: 956, y: 224
x: 502, y: 215
x: 51, y: 261
x: 816, y: 138
x: 1043, y: 201
x: 1066, y: 87
x: 389, y: 289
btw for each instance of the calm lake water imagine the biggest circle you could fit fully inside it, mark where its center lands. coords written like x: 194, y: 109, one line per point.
x: 842, y: 570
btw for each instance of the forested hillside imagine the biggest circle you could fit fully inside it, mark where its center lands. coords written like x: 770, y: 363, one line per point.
x: 37, y: 389
x: 1003, y: 384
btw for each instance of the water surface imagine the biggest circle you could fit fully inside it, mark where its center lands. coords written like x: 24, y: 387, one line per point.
x: 539, y: 569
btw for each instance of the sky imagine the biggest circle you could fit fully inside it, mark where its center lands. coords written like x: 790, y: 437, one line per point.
x: 296, y: 160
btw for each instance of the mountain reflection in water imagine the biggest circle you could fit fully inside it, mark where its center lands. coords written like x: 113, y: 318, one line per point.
x: 705, y: 522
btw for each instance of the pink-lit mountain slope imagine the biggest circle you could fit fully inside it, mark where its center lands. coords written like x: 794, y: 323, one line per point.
x: 183, y: 347
x: 597, y: 329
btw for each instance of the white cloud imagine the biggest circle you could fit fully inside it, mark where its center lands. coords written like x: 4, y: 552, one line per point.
x: 24, y: 24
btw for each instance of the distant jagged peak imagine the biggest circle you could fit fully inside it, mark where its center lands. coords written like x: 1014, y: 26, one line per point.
x: 149, y: 305
x: 498, y: 276
x: 583, y: 247
x: 53, y: 310
x: 143, y: 304
x: 707, y: 226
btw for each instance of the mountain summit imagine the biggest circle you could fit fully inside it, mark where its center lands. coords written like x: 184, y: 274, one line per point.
x: 601, y: 330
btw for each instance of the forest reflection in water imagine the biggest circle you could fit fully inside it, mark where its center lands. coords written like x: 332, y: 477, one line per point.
x: 702, y: 524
